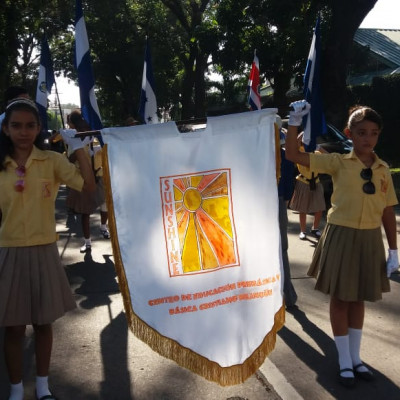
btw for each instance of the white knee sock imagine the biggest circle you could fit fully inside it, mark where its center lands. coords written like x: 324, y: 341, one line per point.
x: 42, y: 386
x: 343, y: 348
x: 17, y: 392
x: 355, y: 344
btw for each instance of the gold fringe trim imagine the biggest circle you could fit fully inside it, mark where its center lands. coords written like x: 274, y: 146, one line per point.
x: 169, y: 348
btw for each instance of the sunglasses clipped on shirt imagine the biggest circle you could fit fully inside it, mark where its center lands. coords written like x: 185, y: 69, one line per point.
x: 20, y: 183
x: 368, y: 187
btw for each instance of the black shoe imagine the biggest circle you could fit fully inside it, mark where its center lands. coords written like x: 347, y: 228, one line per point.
x: 47, y: 397
x: 365, y: 375
x: 316, y: 233
x: 105, y: 233
x: 346, y: 381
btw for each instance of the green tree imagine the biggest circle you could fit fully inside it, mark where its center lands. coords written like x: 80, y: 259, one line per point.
x: 117, y: 37
x: 194, y: 24
x: 183, y: 34
x: 22, y: 25
x: 281, y: 46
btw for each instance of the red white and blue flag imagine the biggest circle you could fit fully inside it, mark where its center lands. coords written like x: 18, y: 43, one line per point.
x: 253, y: 86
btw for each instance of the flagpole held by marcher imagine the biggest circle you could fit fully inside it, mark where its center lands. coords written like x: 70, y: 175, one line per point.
x: 59, y: 105
x: 181, y: 125
x: 45, y: 81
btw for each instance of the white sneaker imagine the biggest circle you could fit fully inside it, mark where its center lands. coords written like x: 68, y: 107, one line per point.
x: 85, y: 248
x: 302, y: 236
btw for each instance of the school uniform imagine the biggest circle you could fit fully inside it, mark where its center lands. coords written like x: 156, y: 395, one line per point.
x: 33, y: 285
x: 85, y: 202
x: 306, y: 198
x: 349, y: 261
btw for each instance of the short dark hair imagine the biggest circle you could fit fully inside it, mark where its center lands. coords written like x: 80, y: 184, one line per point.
x: 13, y: 92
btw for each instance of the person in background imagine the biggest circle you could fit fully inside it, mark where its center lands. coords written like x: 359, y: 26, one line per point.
x: 285, y: 191
x: 34, y: 288
x: 11, y: 93
x: 83, y: 203
x: 308, y: 198
x: 130, y: 121
x: 349, y: 261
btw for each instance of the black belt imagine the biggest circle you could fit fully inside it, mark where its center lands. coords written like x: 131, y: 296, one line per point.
x: 312, y: 182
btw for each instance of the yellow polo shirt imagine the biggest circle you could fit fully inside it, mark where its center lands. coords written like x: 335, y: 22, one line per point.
x: 28, y: 217
x: 305, y: 172
x: 95, y: 159
x: 352, y: 207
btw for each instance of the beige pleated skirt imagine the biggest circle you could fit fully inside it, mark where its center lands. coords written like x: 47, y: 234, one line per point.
x: 34, y: 288
x: 86, y: 202
x: 350, y: 264
x: 305, y: 200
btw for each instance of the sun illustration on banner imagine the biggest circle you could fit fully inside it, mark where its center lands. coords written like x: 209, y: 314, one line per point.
x: 201, y: 226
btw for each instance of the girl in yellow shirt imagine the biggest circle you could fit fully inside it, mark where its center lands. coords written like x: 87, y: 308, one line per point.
x: 308, y: 198
x: 349, y: 261
x: 83, y: 203
x: 34, y: 289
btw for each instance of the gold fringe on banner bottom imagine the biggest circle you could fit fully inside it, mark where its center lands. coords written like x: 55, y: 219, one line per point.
x: 169, y: 348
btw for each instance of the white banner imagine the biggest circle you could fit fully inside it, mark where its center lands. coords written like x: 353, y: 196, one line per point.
x: 194, y: 220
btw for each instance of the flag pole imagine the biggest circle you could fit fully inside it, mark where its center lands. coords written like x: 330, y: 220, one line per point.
x: 87, y: 133
x: 59, y: 105
x: 180, y: 124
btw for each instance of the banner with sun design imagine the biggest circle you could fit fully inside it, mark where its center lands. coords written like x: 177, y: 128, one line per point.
x: 198, y: 222
x: 195, y: 235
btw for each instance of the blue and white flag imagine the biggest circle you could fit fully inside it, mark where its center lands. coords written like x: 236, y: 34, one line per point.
x: 45, y: 82
x: 314, y: 123
x: 148, y: 101
x: 90, y: 110
x: 253, y: 87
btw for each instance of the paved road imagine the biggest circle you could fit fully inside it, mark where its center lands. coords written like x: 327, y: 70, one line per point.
x: 95, y: 356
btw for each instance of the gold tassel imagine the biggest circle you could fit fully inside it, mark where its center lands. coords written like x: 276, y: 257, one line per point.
x: 170, y: 348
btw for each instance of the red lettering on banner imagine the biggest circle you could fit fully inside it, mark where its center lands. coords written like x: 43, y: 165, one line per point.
x: 168, y: 209
x: 171, y: 233
x: 175, y: 269
x: 181, y: 310
x: 174, y: 257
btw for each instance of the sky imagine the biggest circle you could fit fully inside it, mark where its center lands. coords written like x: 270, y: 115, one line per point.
x: 385, y: 15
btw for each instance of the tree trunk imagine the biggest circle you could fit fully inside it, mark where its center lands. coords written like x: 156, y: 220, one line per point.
x: 200, y: 86
x: 346, y: 18
x: 187, y: 92
x: 281, y: 86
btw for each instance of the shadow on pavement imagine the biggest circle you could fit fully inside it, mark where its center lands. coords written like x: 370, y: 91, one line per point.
x: 326, y: 367
x: 96, y: 282
x: 93, y: 280
x: 114, y: 351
